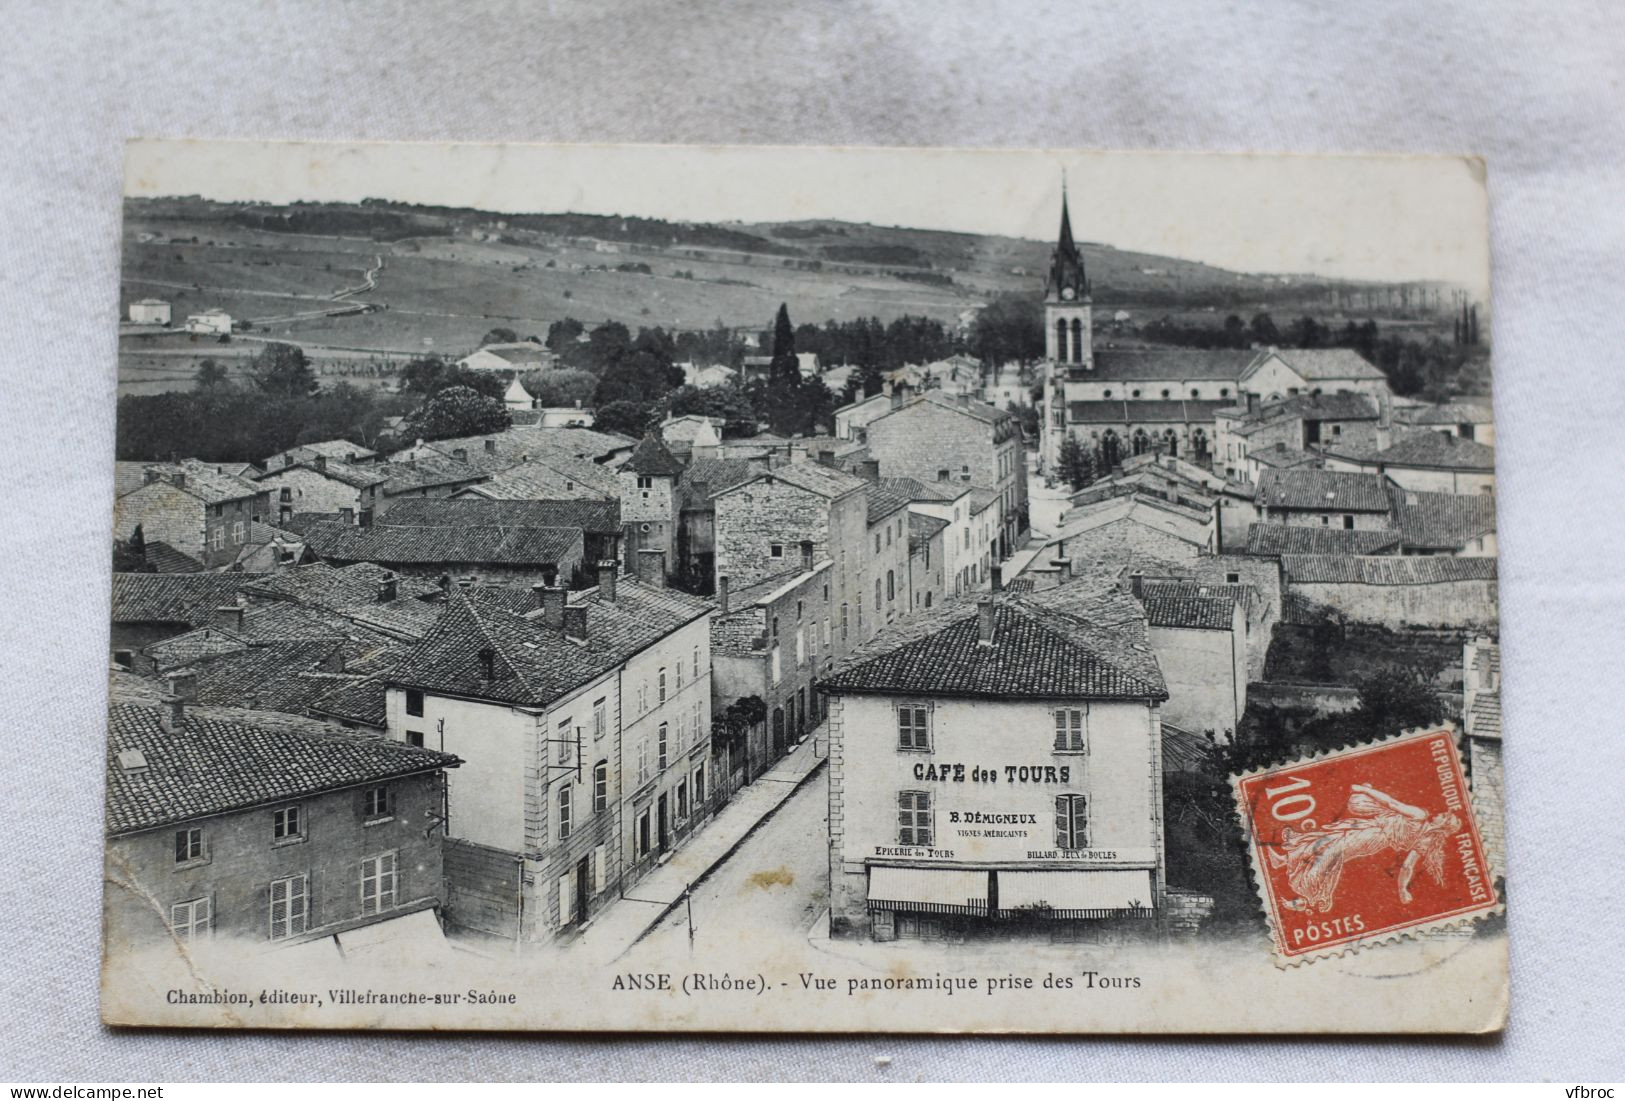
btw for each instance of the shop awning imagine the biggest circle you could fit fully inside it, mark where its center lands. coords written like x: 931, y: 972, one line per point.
x: 929, y: 890
x: 1081, y: 893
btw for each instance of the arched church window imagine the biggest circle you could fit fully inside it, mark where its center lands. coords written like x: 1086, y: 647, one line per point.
x: 1077, y: 340
x: 1060, y: 340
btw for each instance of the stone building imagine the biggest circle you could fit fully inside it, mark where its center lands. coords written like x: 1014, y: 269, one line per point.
x: 1398, y: 591
x: 648, y: 492
x: 584, y: 723
x: 995, y: 764
x: 1200, y: 633
x: 195, y: 507
x: 1310, y: 497
x: 938, y: 438
x: 797, y: 516
x: 1425, y: 460
x: 1308, y: 422
x: 498, y: 553
x: 771, y: 641
x: 263, y: 828
x: 320, y: 484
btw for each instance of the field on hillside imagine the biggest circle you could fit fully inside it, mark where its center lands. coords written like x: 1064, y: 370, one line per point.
x: 449, y: 276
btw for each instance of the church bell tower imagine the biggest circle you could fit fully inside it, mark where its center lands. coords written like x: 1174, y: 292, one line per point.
x: 1068, y: 333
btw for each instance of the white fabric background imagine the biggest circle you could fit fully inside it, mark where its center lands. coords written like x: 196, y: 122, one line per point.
x: 1536, y: 89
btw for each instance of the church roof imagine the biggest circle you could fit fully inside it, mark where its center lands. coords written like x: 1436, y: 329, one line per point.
x: 1170, y: 364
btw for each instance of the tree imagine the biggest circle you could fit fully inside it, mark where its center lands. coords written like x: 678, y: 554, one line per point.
x: 459, y: 411
x: 1076, y: 464
x: 562, y: 335
x: 629, y: 418
x: 1011, y: 327
x: 785, y: 367
x: 641, y: 377
x: 565, y: 386
x: 731, y: 403
x: 499, y: 336
x: 283, y: 370
x: 1263, y: 331
x: 130, y: 555
x: 210, y: 375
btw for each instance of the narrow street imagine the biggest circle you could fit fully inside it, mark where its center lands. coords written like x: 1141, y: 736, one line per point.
x: 770, y: 890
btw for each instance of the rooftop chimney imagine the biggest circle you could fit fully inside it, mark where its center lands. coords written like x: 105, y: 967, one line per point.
x: 491, y: 447
x: 575, y: 622
x: 389, y: 588
x: 179, y: 480
x: 652, y: 567
x: 722, y: 594
x: 984, y: 621
x: 460, y: 454
x: 550, y: 574
x: 606, y: 580
x: 869, y: 470
x: 551, y: 599
x: 183, y: 685
x: 826, y: 457
x: 228, y: 617
x: 173, y: 715
x: 321, y: 464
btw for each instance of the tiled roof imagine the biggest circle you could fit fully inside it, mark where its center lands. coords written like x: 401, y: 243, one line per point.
x: 981, y: 410
x: 1282, y: 456
x: 531, y: 662
x: 521, y: 353
x: 357, y: 477
x: 213, y: 766
x: 1441, y: 521
x: 338, y: 587
x: 189, y: 598
x: 1278, y: 539
x: 128, y: 476
x: 164, y: 558
x: 1036, y: 651
x: 1309, y: 407
x: 884, y: 500
x: 1485, y: 715
x: 815, y: 478
x: 551, y: 479
x: 600, y: 517
x: 1169, y: 364
x: 1385, y: 570
x: 921, y: 529
x: 1328, y: 364
x: 266, y: 675
x: 715, y: 475
x: 445, y: 544
x: 208, y: 482
x: 652, y: 458
x: 429, y: 469
x: 1452, y: 413
x: 1193, y: 605
x: 1427, y: 447
x: 1172, y: 411
x: 918, y: 490
x: 342, y: 450
x: 1322, y: 490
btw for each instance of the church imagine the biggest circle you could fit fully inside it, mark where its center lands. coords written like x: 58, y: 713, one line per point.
x: 1121, y: 402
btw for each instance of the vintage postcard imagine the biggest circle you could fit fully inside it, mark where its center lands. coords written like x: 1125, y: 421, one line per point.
x: 795, y: 589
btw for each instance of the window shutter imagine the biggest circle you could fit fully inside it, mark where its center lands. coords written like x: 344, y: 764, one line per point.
x: 1063, y: 823
x: 566, y: 909
x: 599, y: 870
x: 1060, y: 730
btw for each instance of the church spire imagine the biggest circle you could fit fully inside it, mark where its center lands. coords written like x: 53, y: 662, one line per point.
x: 1067, y: 278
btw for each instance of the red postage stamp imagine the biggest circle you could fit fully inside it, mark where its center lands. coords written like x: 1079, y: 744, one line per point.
x: 1365, y: 844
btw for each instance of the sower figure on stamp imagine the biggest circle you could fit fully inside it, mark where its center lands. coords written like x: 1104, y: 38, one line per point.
x: 1374, y: 822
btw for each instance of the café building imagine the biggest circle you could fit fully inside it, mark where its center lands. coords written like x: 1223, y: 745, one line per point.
x: 995, y: 767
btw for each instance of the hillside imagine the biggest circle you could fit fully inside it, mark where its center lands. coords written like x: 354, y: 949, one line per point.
x: 376, y: 278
